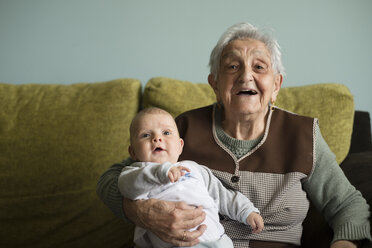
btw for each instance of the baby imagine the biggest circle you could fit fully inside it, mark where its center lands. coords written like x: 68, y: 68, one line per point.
x: 156, y: 145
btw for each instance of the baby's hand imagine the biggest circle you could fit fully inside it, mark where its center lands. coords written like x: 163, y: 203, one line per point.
x: 256, y: 222
x: 176, y: 172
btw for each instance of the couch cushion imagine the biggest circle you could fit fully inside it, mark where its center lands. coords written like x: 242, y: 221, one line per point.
x: 177, y: 96
x: 55, y: 142
x: 331, y: 103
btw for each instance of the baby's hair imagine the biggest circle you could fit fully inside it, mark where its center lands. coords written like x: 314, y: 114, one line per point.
x: 149, y: 110
x: 153, y: 110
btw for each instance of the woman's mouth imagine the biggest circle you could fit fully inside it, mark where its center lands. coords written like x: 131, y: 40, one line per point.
x: 247, y: 92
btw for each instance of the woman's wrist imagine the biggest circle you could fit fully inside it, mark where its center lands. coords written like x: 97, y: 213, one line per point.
x: 131, y: 209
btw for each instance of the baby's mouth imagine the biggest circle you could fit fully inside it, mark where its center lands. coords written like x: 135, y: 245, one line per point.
x: 158, y: 149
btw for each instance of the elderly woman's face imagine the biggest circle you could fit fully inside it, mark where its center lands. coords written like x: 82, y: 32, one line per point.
x: 246, y: 82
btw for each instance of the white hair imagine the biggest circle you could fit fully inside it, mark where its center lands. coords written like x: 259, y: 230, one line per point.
x: 246, y: 31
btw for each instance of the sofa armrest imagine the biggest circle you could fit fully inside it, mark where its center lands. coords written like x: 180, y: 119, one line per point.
x: 361, y: 136
x: 358, y: 169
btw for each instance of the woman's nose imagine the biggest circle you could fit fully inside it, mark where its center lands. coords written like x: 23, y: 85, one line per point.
x: 246, y: 75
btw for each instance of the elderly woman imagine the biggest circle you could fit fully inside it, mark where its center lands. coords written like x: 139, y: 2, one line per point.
x: 277, y: 159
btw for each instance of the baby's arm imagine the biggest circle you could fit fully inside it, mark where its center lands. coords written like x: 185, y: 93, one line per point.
x: 256, y: 222
x: 136, y: 180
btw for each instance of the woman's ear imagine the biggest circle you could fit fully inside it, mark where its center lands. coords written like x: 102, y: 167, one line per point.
x: 277, y: 85
x: 213, y: 83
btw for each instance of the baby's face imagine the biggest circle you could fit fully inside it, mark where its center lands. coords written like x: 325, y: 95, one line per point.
x: 156, y: 139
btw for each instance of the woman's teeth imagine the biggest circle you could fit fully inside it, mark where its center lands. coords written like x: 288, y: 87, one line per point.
x: 247, y: 92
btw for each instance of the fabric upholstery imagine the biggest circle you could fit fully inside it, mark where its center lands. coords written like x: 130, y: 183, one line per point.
x: 55, y: 142
x: 361, y: 137
x: 357, y: 168
x: 331, y: 103
x: 177, y: 96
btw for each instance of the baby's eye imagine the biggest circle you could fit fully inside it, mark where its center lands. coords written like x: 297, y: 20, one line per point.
x: 145, y: 135
x: 166, y: 133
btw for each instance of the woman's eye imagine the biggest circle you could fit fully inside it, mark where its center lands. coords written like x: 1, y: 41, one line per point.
x: 260, y: 67
x: 233, y: 67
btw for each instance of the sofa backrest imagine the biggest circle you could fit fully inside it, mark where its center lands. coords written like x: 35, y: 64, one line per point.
x: 55, y: 142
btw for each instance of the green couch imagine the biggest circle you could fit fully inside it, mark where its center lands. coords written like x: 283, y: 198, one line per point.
x: 56, y: 140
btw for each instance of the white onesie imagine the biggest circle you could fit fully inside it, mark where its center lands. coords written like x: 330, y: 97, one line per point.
x: 144, y: 180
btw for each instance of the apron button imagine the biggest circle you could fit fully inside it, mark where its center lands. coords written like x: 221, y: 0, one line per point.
x: 235, y: 179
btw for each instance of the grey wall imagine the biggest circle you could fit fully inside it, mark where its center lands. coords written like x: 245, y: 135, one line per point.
x: 50, y: 41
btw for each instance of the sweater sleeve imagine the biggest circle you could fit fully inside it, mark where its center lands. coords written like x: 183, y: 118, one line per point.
x: 344, y: 208
x: 231, y: 203
x: 108, y: 191
x: 138, y: 179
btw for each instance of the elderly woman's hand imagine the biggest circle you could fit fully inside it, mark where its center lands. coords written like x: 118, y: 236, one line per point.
x: 167, y: 220
x: 343, y: 244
